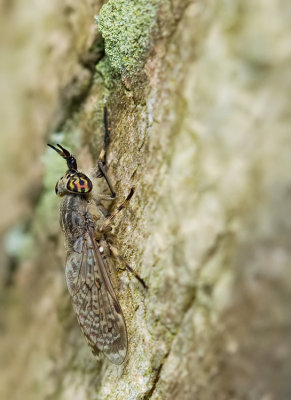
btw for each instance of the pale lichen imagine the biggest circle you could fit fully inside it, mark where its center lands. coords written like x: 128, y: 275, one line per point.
x: 126, y: 27
x: 105, y: 69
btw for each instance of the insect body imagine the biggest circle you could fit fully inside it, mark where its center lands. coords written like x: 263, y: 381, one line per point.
x: 85, y: 224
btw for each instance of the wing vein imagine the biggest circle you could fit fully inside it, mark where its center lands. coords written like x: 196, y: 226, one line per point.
x: 95, y: 303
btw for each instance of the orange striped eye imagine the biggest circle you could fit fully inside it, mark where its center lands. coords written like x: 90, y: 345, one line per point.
x: 79, y: 184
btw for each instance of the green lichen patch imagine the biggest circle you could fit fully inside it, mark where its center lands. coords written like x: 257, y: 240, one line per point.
x: 105, y: 69
x: 126, y: 26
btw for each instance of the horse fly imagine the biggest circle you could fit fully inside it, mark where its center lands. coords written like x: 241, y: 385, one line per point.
x: 85, y: 223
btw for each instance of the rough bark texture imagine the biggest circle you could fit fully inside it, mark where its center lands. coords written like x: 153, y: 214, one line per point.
x: 199, y: 99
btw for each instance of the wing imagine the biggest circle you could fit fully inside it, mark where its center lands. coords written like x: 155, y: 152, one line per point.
x: 98, y: 311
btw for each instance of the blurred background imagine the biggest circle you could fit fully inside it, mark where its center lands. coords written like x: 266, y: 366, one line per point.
x: 205, y: 120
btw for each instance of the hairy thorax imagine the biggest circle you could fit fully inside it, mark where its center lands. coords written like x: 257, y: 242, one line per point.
x: 78, y: 214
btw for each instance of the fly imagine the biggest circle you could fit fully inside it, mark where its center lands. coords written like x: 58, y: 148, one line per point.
x: 86, y: 225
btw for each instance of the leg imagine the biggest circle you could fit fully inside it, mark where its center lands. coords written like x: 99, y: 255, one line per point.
x: 101, y: 163
x: 114, y: 251
x: 105, y: 253
x: 109, y: 219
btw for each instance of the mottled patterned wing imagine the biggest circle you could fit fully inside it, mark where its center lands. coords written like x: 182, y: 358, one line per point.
x: 94, y: 301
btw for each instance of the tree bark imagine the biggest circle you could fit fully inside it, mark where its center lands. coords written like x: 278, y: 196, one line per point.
x: 198, y: 101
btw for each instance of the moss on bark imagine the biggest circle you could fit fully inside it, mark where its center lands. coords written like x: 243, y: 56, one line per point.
x: 126, y: 27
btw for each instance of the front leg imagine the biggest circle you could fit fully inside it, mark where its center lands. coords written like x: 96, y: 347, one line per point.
x: 100, y: 170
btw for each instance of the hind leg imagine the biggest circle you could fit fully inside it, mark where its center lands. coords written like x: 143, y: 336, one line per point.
x: 126, y: 266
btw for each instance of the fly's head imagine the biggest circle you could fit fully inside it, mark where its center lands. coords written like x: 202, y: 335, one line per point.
x: 73, y: 182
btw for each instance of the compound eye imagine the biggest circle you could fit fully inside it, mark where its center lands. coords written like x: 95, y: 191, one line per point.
x: 79, y: 184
